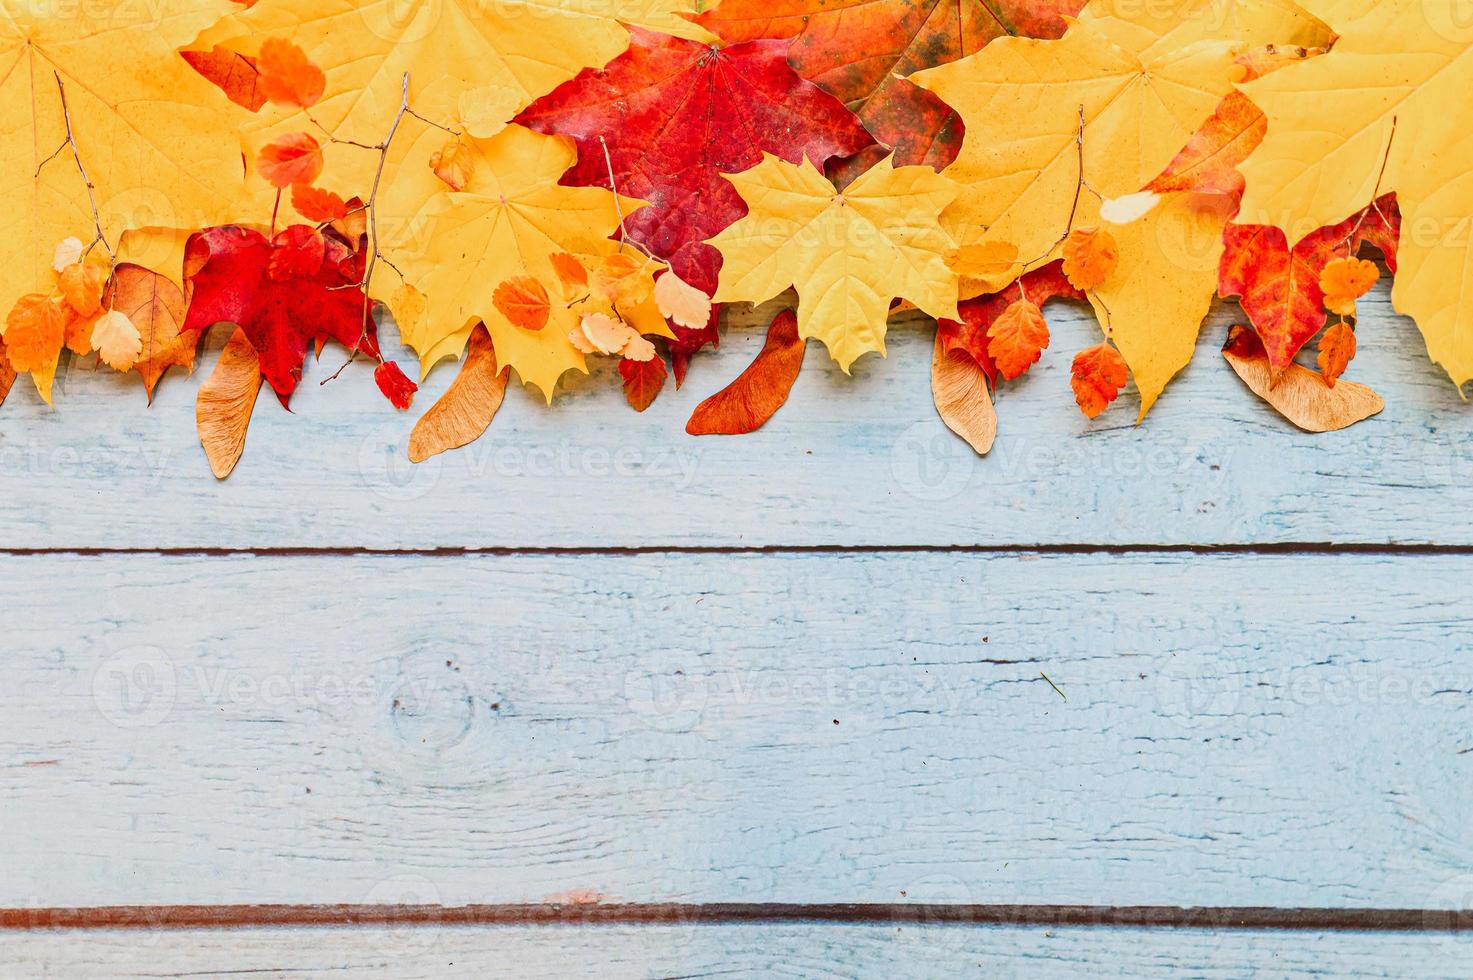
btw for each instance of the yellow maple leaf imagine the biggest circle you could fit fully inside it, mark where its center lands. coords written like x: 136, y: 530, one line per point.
x: 1054, y: 128
x: 509, y: 221
x: 155, y: 138
x: 1381, y: 112
x: 849, y: 253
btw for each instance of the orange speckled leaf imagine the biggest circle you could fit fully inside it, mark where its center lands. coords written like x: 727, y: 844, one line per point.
x: 1208, y: 163
x: 1337, y: 350
x: 1017, y: 338
x: 1097, y: 375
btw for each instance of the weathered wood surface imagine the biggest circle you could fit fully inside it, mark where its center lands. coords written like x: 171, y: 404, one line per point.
x: 849, y: 461
x: 1239, y: 729
x: 797, y: 950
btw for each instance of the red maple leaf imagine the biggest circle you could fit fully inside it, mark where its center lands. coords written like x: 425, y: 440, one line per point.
x: 676, y: 115
x: 1279, y: 287
x: 860, y: 51
x: 230, y: 269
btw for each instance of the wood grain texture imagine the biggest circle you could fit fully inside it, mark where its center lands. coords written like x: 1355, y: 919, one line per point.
x: 796, y: 950
x: 695, y: 728
x: 849, y: 461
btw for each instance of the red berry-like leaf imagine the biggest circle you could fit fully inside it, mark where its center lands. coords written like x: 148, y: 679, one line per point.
x: 397, y: 388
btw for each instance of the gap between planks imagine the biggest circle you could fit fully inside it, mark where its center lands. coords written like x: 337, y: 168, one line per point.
x: 1270, y: 548
x: 1096, y: 916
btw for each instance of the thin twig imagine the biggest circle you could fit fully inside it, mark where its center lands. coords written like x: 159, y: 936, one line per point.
x: 371, y: 206
x: 1375, y: 193
x: 71, y: 141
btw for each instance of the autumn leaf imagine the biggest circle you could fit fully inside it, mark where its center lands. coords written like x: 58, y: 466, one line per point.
x: 523, y: 300
x: 1056, y: 127
x: 681, y: 303
x: 959, y: 389
x: 665, y: 111
x: 1017, y: 338
x: 512, y: 219
x: 157, y: 308
x: 600, y: 333
x: 466, y: 409
x: 454, y: 163
x: 117, y: 340
x: 158, y: 141
x: 293, y: 158
x: 1374, y: 115
x: 1209, y: 160
x: 1090, y: 257
x: 35, y: 329
x: 969, y: 331
x: 849, y: 253
x: 471, y: 67
x: 229, y: 270
x: 1337, y: 350
x: 642, y: 381
x: 1097, y: 374
x: 1279, y: 287
x: 1299, y: 395
x: 760, y: 390
x: 234, y: 74
x: 316, y: 204
x: 1344, y: 280
x: 222, y: 409
x: 287, y: 76
x: 7, y: 374
x: 397, y: 388
x: 861, y: 51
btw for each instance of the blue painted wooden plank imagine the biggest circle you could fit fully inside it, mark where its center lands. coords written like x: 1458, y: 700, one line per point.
x: 1287, y: 730
x: 850, y: 461
x: 754, y: 950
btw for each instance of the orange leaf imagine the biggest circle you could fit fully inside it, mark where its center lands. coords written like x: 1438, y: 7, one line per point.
x: 1345, y: 280
x: 316, y: 204
x: 287, y: 76
x: 1337, y: 350
x: 157, y: 307
x: 1090, y: 257
x: 642, y: 381
x: 81, y: 286
x: 454, y: 163
x: 523, y: 301
x: 468, y: 405
x: 1017, y: 338
x: 622, y: 278
x: 1097, y: 375
x: 235, y: 74
x: 570, y: 271
x: 222, y: 409
x: 7, y: 374
x: 1209, y: 160
x: 759, y: 391
x: 292, y: 158
x: 34, y: 331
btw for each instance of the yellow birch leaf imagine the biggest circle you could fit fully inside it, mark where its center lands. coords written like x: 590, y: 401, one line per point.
x: 1381, y: 111
x: 849, y: 253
